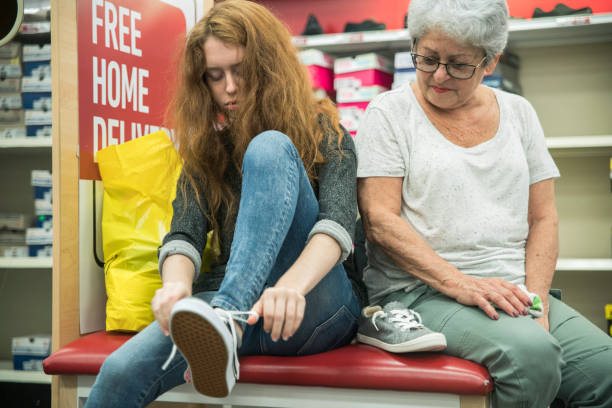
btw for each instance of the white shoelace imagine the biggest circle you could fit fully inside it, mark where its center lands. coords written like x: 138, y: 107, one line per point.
x: 227, y: 316
x: 405, y: 319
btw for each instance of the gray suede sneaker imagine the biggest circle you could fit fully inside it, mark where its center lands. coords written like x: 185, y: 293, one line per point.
x: 397, y: 329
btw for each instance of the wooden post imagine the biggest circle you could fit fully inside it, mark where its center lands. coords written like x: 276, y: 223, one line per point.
x: 475, y: 401
x: 64, y: 71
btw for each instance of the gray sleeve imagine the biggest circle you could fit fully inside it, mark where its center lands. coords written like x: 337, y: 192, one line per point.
x: 338, y: 192
x: 188, y: 229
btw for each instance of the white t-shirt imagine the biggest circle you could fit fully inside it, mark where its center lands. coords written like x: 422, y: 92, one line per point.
x: 469, y: 204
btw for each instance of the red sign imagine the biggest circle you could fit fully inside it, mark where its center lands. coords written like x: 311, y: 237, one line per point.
x: 126, y: 49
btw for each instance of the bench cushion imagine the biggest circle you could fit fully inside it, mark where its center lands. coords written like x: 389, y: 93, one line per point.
x: 353, y: 366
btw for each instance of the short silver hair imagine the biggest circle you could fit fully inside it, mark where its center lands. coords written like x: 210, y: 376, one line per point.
x: 478, y: 23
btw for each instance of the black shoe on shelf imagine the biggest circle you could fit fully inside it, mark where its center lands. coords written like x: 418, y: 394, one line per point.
x: 312, y: 26
x: 366, y: 25
x: 560, y: 10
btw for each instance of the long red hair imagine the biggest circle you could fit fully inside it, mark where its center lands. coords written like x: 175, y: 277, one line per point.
x: 277, y: 95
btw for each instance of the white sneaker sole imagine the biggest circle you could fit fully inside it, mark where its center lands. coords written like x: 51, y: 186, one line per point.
x: 197, y: 332
x: 428, y: 342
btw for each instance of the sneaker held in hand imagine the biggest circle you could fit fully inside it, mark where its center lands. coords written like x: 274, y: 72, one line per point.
x: 397, y: 329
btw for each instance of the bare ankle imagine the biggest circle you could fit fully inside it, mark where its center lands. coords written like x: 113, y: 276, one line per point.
x: 238, y: 331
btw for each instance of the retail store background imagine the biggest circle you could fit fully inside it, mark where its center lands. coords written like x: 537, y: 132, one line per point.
x: 569, y: 85
x: 334, y: 14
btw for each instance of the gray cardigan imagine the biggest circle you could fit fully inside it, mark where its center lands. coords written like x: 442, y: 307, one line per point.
x: 335, y: 189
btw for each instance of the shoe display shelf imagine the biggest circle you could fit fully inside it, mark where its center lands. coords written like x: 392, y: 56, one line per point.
x: 546, y: 31
x: 568, y: 146
x: 25, y: 145
x: 7, y: 374
x: 584, y: 264
x: 25, y: 263
x: 26, y: 279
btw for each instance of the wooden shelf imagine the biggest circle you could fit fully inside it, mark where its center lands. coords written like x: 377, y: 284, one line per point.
x: 26, y: 263
x: 584, y: 264
x: 546, y: 31
x: 7, y: 374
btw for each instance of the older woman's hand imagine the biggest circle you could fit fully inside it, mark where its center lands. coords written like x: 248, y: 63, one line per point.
x: 486, y: 292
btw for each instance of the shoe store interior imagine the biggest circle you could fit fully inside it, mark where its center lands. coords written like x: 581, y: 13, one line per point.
x: 92, y: 118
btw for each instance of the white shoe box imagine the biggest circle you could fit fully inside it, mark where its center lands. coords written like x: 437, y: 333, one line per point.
x: 30, y: 351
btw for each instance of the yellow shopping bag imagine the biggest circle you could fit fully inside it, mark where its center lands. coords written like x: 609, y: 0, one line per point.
x: 140, y: 179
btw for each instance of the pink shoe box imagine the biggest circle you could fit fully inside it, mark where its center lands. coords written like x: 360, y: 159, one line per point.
x: 366, y: 77
x: 320, y: 68
x: 362, y: 62
x: 361, y: 94
x: 352, y: 106
x: 321, y: 78
x: 351, y: 114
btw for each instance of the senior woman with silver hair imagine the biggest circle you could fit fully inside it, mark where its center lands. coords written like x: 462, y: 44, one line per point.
x: 456, y: 192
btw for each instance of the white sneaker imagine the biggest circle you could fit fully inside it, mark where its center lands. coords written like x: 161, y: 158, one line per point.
x: 207, y: 339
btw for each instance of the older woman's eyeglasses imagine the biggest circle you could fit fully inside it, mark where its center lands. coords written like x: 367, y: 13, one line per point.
x: 457, y: 71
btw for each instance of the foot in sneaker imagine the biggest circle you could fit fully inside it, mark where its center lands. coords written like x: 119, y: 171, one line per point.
x: 397, y: 330
x: 207, y: 339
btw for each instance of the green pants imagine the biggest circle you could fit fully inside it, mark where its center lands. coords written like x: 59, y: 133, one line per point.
x: 530, y: 366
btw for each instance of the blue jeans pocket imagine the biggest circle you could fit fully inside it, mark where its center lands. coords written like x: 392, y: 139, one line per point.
x: 336, y: 331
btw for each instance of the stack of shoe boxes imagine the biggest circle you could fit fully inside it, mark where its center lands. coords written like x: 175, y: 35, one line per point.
x: 506, y: 74
x: 40, y: 238
x: 36, y: 89
x: 11, y: 106
x: 12, y: 235
x: 404, y: 69
x: 357, y: 80
x: 320, y: 68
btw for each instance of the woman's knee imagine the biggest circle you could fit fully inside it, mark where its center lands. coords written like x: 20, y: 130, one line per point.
x: 114, y: 368
x: 266, y: 146
x: 533, y: 368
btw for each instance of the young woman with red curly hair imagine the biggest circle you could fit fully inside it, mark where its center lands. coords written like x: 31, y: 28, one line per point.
x: 270, y: 170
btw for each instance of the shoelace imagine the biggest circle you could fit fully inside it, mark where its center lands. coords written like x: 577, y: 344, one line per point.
x: 227, y: 316
x: 405, y: 319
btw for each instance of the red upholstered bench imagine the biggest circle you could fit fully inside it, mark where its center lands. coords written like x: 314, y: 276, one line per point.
x: 354, y: 375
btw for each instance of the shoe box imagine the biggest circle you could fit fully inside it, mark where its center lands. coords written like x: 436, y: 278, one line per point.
x: 358, y: 80
x: 352, y: 103
x: 320, y: 68
x: 29, y: 352
x: 363, y: 70
x: 404, y: 69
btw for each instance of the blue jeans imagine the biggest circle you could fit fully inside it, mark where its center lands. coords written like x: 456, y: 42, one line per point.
x: 278, y: 209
